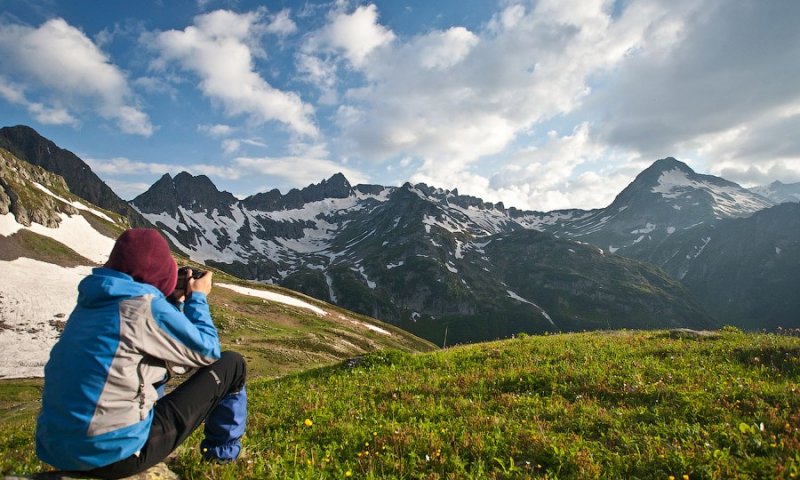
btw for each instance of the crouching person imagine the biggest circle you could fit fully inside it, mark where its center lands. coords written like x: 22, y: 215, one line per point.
x: 101, y: 412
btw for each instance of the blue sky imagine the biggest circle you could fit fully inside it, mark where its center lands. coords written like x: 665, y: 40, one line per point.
x: 539, y: 104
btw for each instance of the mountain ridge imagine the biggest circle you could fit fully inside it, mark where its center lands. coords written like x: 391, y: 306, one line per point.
x: 408, y: 254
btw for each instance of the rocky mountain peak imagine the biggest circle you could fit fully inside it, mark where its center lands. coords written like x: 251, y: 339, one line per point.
x: 196, y: 193
x: 671, y: 184
x: 159, y: 198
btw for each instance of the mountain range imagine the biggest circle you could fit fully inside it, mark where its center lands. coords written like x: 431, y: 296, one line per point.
x: 453, y: 268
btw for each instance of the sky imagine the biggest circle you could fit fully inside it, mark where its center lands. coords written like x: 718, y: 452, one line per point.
x: 542, y: 105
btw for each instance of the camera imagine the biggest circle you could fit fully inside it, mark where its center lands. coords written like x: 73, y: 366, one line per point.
x: 183, y: 283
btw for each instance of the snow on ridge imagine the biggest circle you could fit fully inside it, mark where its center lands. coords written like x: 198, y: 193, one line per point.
x: 728, y: 200
x: 273, y: 297
x: 699, y: 249
x: 491, y: 221
x: 360, y: 270
x: 331, y: 293
x: 516, y: 297
x: 650, y: 227
x: 29, y: 334
x: 374, y: 328
x: 73, y: 231
x: 78, y: 205
x: 448, y: 225
x: 536, y: 221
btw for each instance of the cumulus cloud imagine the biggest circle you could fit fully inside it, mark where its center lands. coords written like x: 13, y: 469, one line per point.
x: 455, y: 97
x: 718, y: 88
x: 219, y: 48
x: 281, y: 24
x: 69, y: 73
x: 355, y: 35
x: 566, y: 171
x: 444, y: 49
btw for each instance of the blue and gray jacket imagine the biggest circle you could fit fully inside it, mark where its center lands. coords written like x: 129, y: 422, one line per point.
x: 121, y: 339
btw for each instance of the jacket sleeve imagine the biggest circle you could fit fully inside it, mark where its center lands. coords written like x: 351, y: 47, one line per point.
x: 186, y: 338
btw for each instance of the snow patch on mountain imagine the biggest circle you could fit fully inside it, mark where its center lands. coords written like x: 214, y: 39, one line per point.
x: 78, y: 205
x: 516, y: 297
x: 73, y: 231
x: 729, y: 200
x: 373, y: 328
x: 360, y: 270
x: 699, y: 249
x: 331, y: 293
x: 273, y: 297
x: 35, y: 296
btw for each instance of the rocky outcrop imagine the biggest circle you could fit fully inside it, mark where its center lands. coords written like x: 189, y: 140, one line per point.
x: 20, y: 196
x: 26, y: 144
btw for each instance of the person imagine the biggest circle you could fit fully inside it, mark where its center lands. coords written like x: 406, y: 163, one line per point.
x: 101, y: 412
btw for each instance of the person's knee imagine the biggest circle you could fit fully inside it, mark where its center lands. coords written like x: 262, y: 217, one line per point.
x: 236, y: 363
x: 232, y: 357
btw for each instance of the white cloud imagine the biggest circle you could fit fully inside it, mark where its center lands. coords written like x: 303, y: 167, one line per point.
x: 355, y: 35
x: 219, y: 48
x: 125, y: 166
x: 454, y: 98
x: 217, y: 130
x: 47, y: 115
x: 233, y: 145
x: 127, y: 190
x: 281, y: 24
x: 71, y: 73
x: 306, y: 164
x: 716, y: 86
x: 564, y: 171
x: 567, y: 171
x: 445, y: 49
x: 321, y: 73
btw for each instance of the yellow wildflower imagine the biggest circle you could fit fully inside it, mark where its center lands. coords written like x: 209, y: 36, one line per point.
x: 308, y: 422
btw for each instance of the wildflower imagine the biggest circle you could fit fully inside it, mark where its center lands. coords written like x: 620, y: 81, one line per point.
x: 686, y: 477
x: 348, y: 473
x: 308, y: 422
x: 671, y: 477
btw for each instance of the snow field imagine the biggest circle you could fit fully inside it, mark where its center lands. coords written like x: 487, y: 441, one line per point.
x: 273, y: 297
x: 31, y: 295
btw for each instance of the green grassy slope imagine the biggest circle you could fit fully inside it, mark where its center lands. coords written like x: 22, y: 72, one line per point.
x: 591, y: 405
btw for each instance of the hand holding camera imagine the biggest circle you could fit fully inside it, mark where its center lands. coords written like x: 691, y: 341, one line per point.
x: 199, y: 281
x: 190, y: 281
